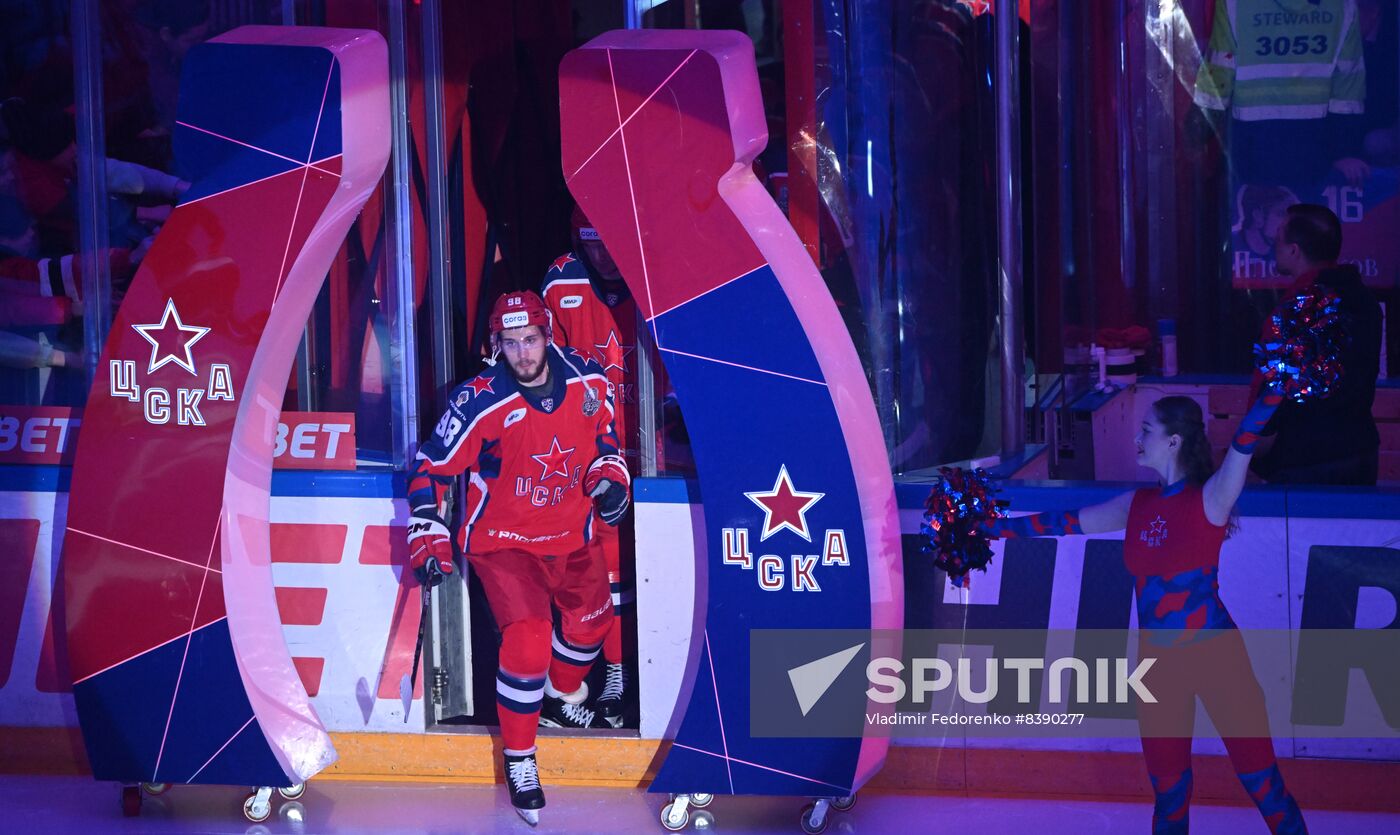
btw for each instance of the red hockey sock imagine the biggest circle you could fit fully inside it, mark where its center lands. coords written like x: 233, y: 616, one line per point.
x: 612, y: 644
x: 524, y: 647
x: 570, y: 663
x: 518, y: 729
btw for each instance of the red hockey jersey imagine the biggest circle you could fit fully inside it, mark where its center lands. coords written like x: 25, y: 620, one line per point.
x: 600, y: 327
x: 527, y: 458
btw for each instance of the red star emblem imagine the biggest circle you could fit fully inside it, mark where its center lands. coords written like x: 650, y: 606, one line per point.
x: 171, y: 340
x: 556, y: 461
x: 587, y: 356
x: 784, y: 507
x: 562, y: 262
x: 613, y: 354
x: 479, y: 385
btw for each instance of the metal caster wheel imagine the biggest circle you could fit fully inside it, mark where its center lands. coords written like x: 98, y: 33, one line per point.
x: 258, y: 806
x: 155, y: 789
x: 843, y: 804
x: 293, y: 792
x: 701, y: 800
x: 814, y: 818
x: 131, y: 801
x: 675, y: 816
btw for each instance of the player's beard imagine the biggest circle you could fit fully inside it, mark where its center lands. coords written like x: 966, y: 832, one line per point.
x: 536, y: 371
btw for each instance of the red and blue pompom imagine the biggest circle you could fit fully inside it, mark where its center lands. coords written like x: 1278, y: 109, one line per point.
x: 1299, y: 354
x: 957, y: 506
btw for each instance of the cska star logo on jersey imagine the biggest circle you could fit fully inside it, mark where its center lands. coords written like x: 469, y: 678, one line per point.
x: 172, y: 343
x: 555, y: 461
x: 613, y: 354
x: 784, y: 507
x: 1155, y: 533
x: 561, y: 262
x: 584, y: 354
x: 480, y: 386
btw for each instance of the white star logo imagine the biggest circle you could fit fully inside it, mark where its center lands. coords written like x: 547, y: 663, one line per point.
x: 1157, y: 533
x: 784, y: 506
x: 163, y: 332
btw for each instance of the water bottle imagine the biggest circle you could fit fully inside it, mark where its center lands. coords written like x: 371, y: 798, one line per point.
x: 1166, y: 332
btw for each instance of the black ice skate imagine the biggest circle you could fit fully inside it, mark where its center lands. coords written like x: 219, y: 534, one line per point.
x: 569, y: 712
x: 610, y: 704
x: 523, y: 781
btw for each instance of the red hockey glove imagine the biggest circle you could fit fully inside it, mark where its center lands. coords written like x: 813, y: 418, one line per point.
x: 429, y: 549
x: 607, y: 482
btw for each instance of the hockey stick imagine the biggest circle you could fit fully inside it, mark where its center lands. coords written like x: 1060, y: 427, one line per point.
x: 407, y: 693
x: 409, y: 682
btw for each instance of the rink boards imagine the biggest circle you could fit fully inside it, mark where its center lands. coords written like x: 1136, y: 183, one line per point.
x: 338, y: 554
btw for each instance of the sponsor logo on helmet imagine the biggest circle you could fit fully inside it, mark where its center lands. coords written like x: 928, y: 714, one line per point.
x: 518, y: 319
x: 588, y: 233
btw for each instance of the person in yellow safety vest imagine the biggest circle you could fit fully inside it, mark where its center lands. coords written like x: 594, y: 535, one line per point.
x: 1283, y: 59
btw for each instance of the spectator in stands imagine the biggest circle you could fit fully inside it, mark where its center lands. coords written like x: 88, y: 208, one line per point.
x: 1331, y: 440
x: 45, y: 169
x: 30, y: 313
x: 1375, y: 133
x: 174, y: 27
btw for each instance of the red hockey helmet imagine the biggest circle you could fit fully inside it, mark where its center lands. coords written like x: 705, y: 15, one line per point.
x: 519, y: 310
x: 583, y: 229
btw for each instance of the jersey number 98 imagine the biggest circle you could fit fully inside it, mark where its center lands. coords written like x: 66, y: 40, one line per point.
x: 448, y: 428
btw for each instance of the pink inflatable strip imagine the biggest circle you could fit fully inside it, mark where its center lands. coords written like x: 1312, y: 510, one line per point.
x: 280, y: 704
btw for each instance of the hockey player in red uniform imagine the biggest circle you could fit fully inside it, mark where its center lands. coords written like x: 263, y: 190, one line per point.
x: 1172, y: 549
x: 596, y: 317
x: 537, y: 433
